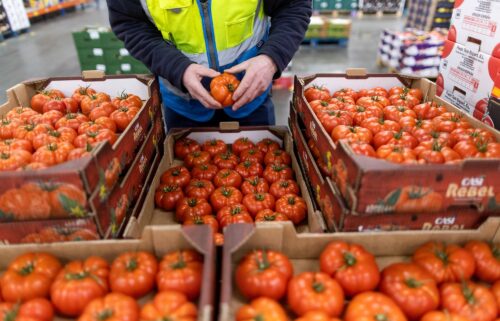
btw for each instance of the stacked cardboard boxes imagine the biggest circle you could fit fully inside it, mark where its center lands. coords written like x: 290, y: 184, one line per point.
x: 328, y: 28
x: 429, y: 14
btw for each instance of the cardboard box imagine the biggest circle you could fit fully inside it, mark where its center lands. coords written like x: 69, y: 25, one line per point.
x: 475, y: 24
x: 304, y: 250
x: 198, y: 238
x: 228, y: 132
x: 466, y: 74
x: 472, y: 183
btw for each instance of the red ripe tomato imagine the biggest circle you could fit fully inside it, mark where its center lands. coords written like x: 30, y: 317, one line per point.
x: 448, y: 122
x: 283, y: 187
x: 443, y: 138
x: 226, y: 160
x: 127, y: 100
x: 167, y: 196
x: 181, y: 271
x: 474, y: 135
x: 361, y: 113
x: 364, y: 149
x: 7, y: 127
x: 263, y: 273
x: 267, y: 144
x: 214, y: 147
x: 92, y: 138
x: 342, y: 102
x: 346, y: 92
x: 275, y: 172
x: 351, y: 266
x: 261, y: 309
x: 29, y: 132
x: 227, y: 177
x: 72, y: 105
x: 82, y: 92
x: 197, y: 158
x: 50, y: 118
x: 395, y: 113
x: 177, y: 175
x: 225, y: 196
x: 209, y: 220
x: 133, y: 273
x: 204, y: 171
x: 487, y: 260
x: 270, y: 216
x: 33, y: 310
x: 406, y: 100
x: 53, y: 153
x: 254, y: 184
x: 332, y: 118
x: 233, y: 214
x: 277, y: 156
x: 64, y: 134
x: 468, y: 149
x: 317, y: 93
x: 199, y: 188
x: 376, y: 101
x: 14, y: 159
x: 54, y: 104
x: 411, y: 287
x: 389, y: 137
x: 114, y: 306
x: 293, y: 206
x: 434, y: 152
x: 191, y: 207
x: 472, y: 301
x: 446, y: 263
x: 104, y: 110
x: 80, y: 152
x: 169, y: 305
x: 13, y: 144
x: 352, y: 134
x: 429, y: 110
x: 241, y: 144
x: 185, y: 146
x: 376, y: 91
x: 396, y: 154
x: 90, y: 102
x: 72, y: 120
x: 373, y: 306
x: 442, y: 316
x: 123, y: 117
x: 258, y: 201
x: 252, y: 155
x: 495, y: 289
x: 249, y: 168
x: 376, y: 125
x: 39, y: 100
x: 319, y: 106
x: 23, y: 114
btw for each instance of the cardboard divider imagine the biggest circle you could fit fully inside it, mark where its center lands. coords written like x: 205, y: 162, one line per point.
x: 304, y: 250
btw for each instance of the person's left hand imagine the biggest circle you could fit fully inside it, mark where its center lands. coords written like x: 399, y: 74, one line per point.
x: 259, y: 72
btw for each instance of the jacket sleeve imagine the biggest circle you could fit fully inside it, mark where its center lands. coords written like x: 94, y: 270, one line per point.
x: 289, y: 22
x: 145, y: 42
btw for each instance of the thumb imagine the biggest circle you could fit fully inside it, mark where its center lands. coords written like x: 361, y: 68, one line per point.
x: 238, y: 68
x: 207, y: 72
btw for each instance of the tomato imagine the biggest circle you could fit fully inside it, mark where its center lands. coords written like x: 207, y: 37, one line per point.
x: 390, y: 137
x: 269, y: 215
x: 474, y: 135
x: 257, y: 202
x: 433, y: 152
x: 225, y: 196
x: 123, y: 117
x: 487, y: 260
x: 169, y: 305
x: 222, y: 88
x: 29, y: 132
x: 63, y: 134
x: 361, y: 113
x: 375, y: 101
x: 376, y: 91
x: 352, y: 134
x: 177, y: 175
x: 53, y: 153
x: 54, y: 104
x: 409, y: 123
x: 204, y: 171
x: 442, y: 316
x: 411, y: 287
x: 29, y: 276
x: 293, y: 206
x: 396, y: 154
x: 429, y: 110
x: 415, y: 199
x: 198, y: 188
x: 181, y: 271
x: 277, y: 156
x: 351, y: 266
x: 395, y: 113
x: 104, y: 123
x: 9, y: 145
x: 226, y: 160
x: 284, y: 186
x: 14, y: 159
x: 82, y: 92
x: 249, y: 168
x: 90, y: 102
x: 8, y: 127
x: 253, y: 155
x: 448, y: 122
x: 261, y: 309
x: 104, y: 110
x: 112, y: 307
x: 254, y: 184
x: 72, y: 120
x: 468, y: 149
x: 495, y: 289
x: 50, y: 118
x: 241, y: 144
x: 196, y: 158
x: 184, y: 146
x: 219, y: 239
x: 443, y: 138
x: 233, y: 214
x: 317, y: 93
x: 346, y: 92
x: 263, y: 273
x: 364, y: 149
x: 78, y: 283
x: 376, y: 125
x: 80, y: 152
x: 373, y: 306
x: 472, y: 301
x: 189, y: 207
x: 25, y: 203
x: 127, y: 100
x: 318, y: 106
x: 397, y: 90
x: 33, y: 310
x: 214, y: 147
x: 446, y: 263
x: 39, y: 100
x: 406, y: 100
x: 133, y: 273
x: 332, y: 118
x: 343, y: 101
x: 267, y: 144
x: 276, y: 172
x: 67, y: 200
x: 102, y: 135
x: 227, y: 177
x: 315, y: 291
x: 209, y: 220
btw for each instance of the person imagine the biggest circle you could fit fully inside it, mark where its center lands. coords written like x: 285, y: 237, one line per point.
x: 188, y: 42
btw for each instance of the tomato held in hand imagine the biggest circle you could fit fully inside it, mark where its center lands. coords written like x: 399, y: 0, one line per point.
x: 199, y: 188
x: 472, y: 301
x: 351, y: 265
x: 446, y: 263
x: 293, y: 206
x: 181, y: 271
x: 487, y: 260
x: 33, y: 310
x: 315, y: 291
x: 222, y: 88
x: 227, y: 177
x: 214, y: 147
x: 185, y: 146
x: 263, y: 273
x: 190, y: 207
x: 262, y: 309
x: 169, y: 305
x: 373, y: 306
x: 177, y: 175
x: 233, y: 214
x: 254, y: 184
x: 258, y: 201
x: 225, y: 196
x: 133, y: 273
x: 78, y: 283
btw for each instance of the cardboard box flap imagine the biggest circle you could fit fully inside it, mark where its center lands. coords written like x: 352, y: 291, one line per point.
x: 356, y: 72
x: 230, y: 125
x: 93, y: 74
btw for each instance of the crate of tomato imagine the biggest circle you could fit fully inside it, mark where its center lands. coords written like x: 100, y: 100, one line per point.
x: 271, y: 270
x: 392, y: 146
x: 226, y: 175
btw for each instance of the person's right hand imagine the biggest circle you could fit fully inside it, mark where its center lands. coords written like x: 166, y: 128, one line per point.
x: 192, y: 81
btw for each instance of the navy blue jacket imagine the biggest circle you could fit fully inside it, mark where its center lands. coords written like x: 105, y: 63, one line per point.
x: 289, y: 21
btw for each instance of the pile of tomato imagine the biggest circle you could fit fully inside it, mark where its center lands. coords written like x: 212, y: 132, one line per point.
x: 36, y: 286
x: 221, y: 184
x: 397, y: 126
x: 57, y: 129
x: 440, y: 283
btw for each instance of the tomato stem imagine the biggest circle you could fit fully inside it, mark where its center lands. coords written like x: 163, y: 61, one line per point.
x: 318, y: 287
x: 350, y: 259
x: 468, y: 294
x: 104, y: 314
x: 132, y: 265
x: 413, y: 283
x: 27, y: 269
x: 180, y: 264
x: 443, y: 256
x: 381, y: 317
x: 262, y: 264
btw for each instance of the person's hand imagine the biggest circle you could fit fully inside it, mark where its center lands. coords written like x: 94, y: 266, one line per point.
x: 192, y: 81
x: 259, y: 72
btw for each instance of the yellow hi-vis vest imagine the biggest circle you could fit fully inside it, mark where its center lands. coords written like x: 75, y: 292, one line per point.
x: 217, y: 34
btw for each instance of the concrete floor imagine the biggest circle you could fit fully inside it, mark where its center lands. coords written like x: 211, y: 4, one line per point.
x: 48, y: 50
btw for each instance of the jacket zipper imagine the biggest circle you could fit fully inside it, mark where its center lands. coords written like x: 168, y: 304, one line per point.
x: 210, y: 35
